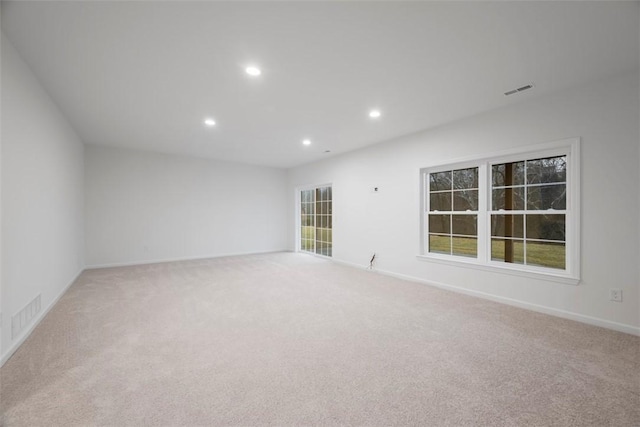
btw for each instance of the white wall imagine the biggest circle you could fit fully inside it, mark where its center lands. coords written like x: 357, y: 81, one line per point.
x: 42, y: 197
x: 605, y: 116
x: 1, y: 316
x: 144, y: 207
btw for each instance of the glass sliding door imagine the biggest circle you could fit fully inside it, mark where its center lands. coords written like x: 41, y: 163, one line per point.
x: 324, y: 224
x: 308, y: 221
x: 316, y: 220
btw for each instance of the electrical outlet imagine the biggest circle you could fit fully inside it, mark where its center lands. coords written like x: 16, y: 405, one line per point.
x: 615, y: 295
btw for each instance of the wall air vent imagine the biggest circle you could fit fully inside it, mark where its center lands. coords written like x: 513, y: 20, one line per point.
x: 520, y: 89
x: 23, y: 318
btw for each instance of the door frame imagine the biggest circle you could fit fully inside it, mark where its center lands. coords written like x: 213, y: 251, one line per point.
x: 298, y: 213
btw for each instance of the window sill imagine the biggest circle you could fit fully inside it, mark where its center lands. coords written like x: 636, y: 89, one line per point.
x: 497, y: 268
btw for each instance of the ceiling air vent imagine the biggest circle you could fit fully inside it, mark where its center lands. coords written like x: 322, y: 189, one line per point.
x: 520, y: 89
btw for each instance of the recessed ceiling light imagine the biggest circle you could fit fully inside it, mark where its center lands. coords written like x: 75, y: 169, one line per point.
x: 374, y: 114
x: 306, y: 142
x: 253, y: 71
x: 209, y: 122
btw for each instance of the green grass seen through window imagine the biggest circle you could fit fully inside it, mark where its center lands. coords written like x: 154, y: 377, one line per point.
x: 544, y: 254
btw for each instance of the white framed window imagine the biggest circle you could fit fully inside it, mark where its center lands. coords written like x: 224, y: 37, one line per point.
x: 453, y: 212
x: 515, y: 211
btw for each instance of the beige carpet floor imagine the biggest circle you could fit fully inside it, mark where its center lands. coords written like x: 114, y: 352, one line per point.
x: 291, y: 339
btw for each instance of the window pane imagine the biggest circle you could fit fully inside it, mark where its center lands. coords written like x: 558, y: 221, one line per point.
x: 440, y: 244
x: 546, y: 227
x: 308, y: 232
x: 440, y: 201
x: 465, y: 178
x: 329, y: 193
x: 507, y: 225
x: 465, y: 246
x: 506, y: 250
x: 507, y: 174
x: 547, y: 197
x: 508, y: 199
x: 546, y: 254
x: 551, y: 169
x: 439, y: 224
x: 440, y: 181
x: 464, y: 224
x: 465, y: 200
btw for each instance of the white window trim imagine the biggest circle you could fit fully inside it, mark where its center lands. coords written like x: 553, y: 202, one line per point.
x: 571, y: 275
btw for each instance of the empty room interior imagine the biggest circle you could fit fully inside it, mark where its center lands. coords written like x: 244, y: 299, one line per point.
x: 320, y: 213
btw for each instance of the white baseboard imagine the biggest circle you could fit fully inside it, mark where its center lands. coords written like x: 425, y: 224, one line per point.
x: 25, y: 334
x: 162, y: 260
x: 595, y: 321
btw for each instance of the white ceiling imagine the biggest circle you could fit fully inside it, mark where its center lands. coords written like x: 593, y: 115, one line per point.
x: 144, y: 75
